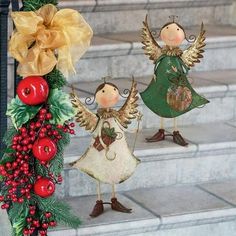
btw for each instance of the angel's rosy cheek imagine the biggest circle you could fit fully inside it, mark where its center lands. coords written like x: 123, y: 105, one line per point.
x: 179, y: 39
x: 104, y: 101
x: 163, y: 37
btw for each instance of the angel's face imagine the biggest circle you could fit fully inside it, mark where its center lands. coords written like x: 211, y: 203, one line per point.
x: 172, y: 35
x: 108, y: 96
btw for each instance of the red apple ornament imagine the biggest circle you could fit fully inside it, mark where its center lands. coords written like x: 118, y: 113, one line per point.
x: 44, y: 149
x: 33, y: 90
x: 44, y: 187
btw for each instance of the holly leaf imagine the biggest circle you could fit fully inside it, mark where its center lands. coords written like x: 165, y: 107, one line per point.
x: 60, y: 107
x: 21, y: 113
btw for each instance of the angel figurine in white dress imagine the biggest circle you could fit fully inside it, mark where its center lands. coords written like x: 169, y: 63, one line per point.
x: 108, y: 159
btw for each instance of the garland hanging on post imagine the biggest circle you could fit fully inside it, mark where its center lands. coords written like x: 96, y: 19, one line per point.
x: 47, y: 43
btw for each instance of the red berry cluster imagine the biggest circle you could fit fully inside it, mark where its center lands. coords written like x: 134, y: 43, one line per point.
x: 16, y: 174
x: 67, y: 128
x: 33, y: 223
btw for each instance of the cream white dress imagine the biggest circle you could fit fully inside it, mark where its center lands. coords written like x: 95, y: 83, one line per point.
x: 112, y: 165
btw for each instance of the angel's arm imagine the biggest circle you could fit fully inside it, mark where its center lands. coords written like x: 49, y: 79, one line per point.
x: 129, y: 110
x: 194, y: 52
x: 151, y: 47
x: 84, y: 116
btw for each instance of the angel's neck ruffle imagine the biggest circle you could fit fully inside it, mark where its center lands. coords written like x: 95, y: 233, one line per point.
x: 107, y: 113
x: 174, y: 51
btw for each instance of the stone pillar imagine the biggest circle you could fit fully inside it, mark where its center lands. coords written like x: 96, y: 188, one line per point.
x: 4, y: 9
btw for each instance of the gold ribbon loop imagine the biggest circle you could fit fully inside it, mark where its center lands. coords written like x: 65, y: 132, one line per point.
x: 47, y: 38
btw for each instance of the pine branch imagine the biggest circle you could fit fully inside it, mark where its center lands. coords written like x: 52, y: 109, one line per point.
x: 65, y: 138
x: 9, y: 135
x: 60, y: 210
x: 57, y: 163
x: 17, y: 209
x: 55, y: 79
x: 33, y: 5
x: 40, y: 169
x: 6, y: 158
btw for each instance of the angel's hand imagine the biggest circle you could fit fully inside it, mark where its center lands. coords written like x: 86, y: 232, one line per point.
x: 139, y: 116
x: 174, y: 69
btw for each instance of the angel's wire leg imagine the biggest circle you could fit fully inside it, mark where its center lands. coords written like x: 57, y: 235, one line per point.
x: 116, y: 205
x: 162, y: 123
x: 113, y: 195
x: 175, y: 124
x: 99, y: 190
x: 98, y: 208
x: 177, y: 137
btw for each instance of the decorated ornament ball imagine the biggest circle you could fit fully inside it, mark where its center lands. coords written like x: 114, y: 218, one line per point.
x: 44, y: 187
x: 33, y: 90
x: 44, y: 149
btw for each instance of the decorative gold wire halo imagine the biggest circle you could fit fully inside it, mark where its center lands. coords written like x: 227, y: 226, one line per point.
x: 172, y: 18
x: 105, y: 78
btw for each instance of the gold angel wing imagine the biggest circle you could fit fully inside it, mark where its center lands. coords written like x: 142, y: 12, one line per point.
x: 129, y: 110
x: 194, y: 52
x: 151, y: 47
x: 84, y: 116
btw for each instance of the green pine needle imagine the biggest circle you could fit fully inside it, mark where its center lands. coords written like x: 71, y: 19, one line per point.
x: 7, y: 139
x: 57, y: 163
x: 59, y: 209
x: 40, y: 169
x: 55, y: 79
x: 6, y: 158
x: 33, y: 5
x: 18, y: 209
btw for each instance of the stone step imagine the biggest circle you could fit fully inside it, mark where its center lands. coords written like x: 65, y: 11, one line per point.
x: 205, y: 209
x: 119, y: 15
x: 217, y: 86
x: 210, y: 156
x: 121, y: 54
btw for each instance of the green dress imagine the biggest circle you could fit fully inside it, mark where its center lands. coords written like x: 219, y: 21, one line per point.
x: 170, y: 94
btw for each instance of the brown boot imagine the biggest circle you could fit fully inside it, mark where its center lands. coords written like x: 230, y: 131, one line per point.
x: 159, y: 136
x: 98, y: 209
x: 178, y: 139
x: 117, y: 206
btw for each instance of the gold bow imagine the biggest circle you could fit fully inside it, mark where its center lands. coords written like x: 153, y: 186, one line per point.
x: 47, y: 38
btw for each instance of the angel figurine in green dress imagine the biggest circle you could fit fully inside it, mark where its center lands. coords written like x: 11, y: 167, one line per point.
x: 170, y: 94
x: 108, y: 159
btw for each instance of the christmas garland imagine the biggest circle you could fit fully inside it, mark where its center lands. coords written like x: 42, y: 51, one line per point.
x: 32, y: 162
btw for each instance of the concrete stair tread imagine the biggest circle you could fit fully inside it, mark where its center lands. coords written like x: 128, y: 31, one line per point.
x: 118, y: 5
x: 130, y: 42
x: 210, y: 83
x: 158, y: 209
x: 204, y: 139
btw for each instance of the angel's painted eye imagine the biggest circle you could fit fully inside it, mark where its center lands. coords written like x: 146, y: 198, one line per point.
x: 177, y: 28
x: 103, y: 91
x: 167, y: 27
x: 114, y: 89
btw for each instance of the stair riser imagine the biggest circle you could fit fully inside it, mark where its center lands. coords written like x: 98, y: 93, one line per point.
x: 210, y: 167
x: 131, y: 20
x: 216, y: 229
x: 121, y: 18
x: 123, y: 63
x: 219, y: 109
